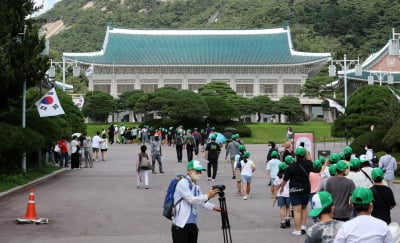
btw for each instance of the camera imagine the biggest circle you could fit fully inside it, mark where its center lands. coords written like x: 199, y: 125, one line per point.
x: 221, y: 189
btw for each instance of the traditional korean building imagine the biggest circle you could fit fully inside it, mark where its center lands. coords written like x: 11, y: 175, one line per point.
x: 252, y: 62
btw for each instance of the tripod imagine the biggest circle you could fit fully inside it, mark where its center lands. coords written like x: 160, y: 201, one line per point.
x: 226, y: 228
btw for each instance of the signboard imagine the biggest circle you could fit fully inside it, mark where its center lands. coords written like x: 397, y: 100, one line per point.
x: 305, y: 140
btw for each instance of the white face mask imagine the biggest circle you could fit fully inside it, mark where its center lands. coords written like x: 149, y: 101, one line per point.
x: 195, y: 176
x: 365, y: 148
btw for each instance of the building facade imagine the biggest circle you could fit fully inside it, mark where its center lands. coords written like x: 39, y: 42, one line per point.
x: 252, y: 62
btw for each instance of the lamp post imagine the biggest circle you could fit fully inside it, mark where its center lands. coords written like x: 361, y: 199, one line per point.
x: 380, y: 75
x: 345, y: 64
x: 64, y: 64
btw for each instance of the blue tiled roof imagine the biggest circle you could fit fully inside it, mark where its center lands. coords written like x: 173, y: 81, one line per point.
x: 196, y: 47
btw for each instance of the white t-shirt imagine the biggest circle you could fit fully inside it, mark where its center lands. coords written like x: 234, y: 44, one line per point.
x: 247, y: 168
x: 272, y: 165
x: 357, y: 177
x: 96, y: 142
x: 364, y: 228
x: 285, y: 192
x: 103, y: 143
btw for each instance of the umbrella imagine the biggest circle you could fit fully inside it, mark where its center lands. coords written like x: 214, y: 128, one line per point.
x: 220, y: 137
x: 76, y: 134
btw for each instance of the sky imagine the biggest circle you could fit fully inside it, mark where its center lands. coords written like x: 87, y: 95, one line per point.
x: 47, y: 4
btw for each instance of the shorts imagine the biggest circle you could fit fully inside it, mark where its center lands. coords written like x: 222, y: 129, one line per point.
x: 301, y: 199
x: 95, y: 150
x: 103, y: 150
x: 237, y: 175
x: 283, y: 201
x: 246, y: 178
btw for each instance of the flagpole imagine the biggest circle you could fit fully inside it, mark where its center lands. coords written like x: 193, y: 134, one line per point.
x: 24, y: 121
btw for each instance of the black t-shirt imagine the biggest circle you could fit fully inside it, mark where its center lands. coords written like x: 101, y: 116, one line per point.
x: 213, y: 149
x: 384, y: 199
x: 297, y: 173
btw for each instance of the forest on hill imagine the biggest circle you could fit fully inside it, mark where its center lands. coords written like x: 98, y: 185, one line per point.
x: 352, y: 27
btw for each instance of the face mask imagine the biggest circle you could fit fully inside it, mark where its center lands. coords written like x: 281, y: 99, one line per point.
x: 195, y: 176
x: 365, y: 148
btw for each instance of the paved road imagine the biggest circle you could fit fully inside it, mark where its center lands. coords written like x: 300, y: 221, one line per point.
x: 103, y: 205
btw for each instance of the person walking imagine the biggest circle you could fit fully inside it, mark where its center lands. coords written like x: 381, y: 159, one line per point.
x: 87, y: 150
x: 190, y: 144
x: 248, y: 168
x: 388, y: 165
x: 62, y: 144
x: 341, y: 188
x: 383, y: 197
x: 238, y: 169
x: 103, y: 147
x: 184, y: 227
x: 364, y: 227
x: 212, y: 152
x: 299, y: 189
x: 326, y: 229
x: 96, y: 146
x: 282, y: 198
x: 179, y: 146
x: 75, y: 154
x: 232, y: 149
x: 156, y: 154
x: 272, y: 170
x: 143, y: 167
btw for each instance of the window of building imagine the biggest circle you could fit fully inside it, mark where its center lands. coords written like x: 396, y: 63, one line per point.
x: 291, y: 89
x: 148, y: 87
x: 269, y: 89
x: 178, y: 86
x: 245, y: 89
x: 102, y: 87
x: 121, y: 88
x: 195, y: 87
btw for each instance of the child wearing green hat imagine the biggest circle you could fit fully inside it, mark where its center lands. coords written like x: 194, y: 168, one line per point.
x: 383, y: 195
x: 282, y: 197
x: 315, y: 180
x: 364, y: 227
x: 272, y: 169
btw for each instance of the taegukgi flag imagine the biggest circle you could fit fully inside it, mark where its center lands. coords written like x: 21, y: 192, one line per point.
x: 49, y: 105
x: 89, y: 71
x: 336, y: 105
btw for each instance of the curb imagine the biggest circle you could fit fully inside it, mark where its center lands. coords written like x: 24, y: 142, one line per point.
x: 37, y: 181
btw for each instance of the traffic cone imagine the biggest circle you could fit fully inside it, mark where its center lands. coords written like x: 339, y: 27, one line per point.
x: 31, y: 208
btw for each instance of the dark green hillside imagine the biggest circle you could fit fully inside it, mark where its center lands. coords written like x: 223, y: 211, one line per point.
x: 354, y: 27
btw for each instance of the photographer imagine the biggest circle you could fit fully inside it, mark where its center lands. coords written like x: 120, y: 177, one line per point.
x: 185, y: 221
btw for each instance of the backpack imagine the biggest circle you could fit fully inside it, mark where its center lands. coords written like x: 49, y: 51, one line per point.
x: 169, y: 204
x: 375, y: 159
x: 178, y: 140
x: 144, y: 163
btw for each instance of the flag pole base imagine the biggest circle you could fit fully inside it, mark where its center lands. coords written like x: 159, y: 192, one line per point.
x: 32, y: 221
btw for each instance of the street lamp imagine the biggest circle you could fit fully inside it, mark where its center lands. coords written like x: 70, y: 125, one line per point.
x: 64, y: 64
x: 345, y: 64
x: 380, y: 75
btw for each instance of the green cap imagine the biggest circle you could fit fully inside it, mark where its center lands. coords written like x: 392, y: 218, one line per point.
x: 319, y: 202
x: 300, y: 151
x: 194, y: 165
x: 282, y: 166
x: 189, y: 130
x: 341, y: 155
x: 322, y: 159
x: 332, y: 169
x: 348, y: 150
x: 237, y: 135
x: 377, y: 174
x: 241, y: 147
x: 355, y: 163
x: 246, y: 154
x: 362, y: 195
x: 333, y: 158
x: 317, y: 164
x: 234, y: 136
x: 274, y: 153
x: 213, y: 137
x: 341, y: 166
x: 289, y: 159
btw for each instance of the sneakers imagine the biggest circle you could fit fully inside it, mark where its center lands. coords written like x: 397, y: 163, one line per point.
x: 238, y: 193
x: 283, y: 225
x: 303, y: 230
x: 154, y: 172
x: 162, y: 172
x: 212, y: 179
x: 296, y: 233
x: 245, y: 197
x: 233, y: 177
x: 209, y: 179
x: 287, y: 223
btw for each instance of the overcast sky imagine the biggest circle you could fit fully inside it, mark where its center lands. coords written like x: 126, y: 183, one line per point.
x: 47, y: 4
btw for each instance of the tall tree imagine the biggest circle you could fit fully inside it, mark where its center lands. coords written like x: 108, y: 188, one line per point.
x: 99, y: 105
x: 263, y: 104
x: 291, y: 107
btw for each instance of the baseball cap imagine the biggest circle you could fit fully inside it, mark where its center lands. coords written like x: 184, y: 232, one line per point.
x: 274, y: 153
x: 282, y: 166
x: 332, y: 169
x: 319, y: 202
x: 241, y: 147
x: 341, y: 166
x: 377, y: 173
x: 362, y: 195
x: 355, y: 163
x: 363, y: 158
x: 348, y: 150
x: 289, y: 159
x: 194, y: 165
x: 333, y: 158
x: 300, y: 151
x: 317, y: 164
x: 322, y: 159
x: 246, y: 154
x: 213, y: 137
